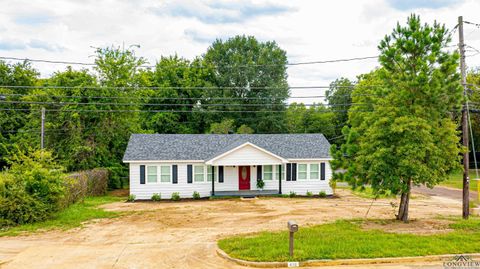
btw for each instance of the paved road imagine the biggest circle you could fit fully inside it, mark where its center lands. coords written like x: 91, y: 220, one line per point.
x: 444, y: 192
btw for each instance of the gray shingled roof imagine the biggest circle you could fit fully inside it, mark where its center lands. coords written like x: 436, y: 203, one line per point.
x: 206, y: 146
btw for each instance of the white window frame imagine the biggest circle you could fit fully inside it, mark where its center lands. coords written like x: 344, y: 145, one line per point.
x: 265, y: 173
x: 275, y: 172
x: 204, y: 172
x: 298, y: 171
x: 214, y: 171
x: 159, y: 175
x: 147, y: 181
x: 310, y: 171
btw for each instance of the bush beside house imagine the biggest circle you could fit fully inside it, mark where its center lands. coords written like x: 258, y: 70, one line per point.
x: 35, y: 187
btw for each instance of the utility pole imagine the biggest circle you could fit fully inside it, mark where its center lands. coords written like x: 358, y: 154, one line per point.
x: 42, y: 132
x: 466, y: 178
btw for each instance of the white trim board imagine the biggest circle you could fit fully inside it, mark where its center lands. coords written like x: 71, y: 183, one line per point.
x: 282, y: 160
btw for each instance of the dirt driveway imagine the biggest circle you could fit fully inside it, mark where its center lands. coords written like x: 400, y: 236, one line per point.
x: 184, y: 234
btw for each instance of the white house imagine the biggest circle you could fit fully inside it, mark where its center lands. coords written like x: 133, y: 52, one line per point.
x: 230, y: 164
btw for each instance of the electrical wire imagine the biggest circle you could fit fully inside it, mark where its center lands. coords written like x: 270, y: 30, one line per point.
x: 193, y: 66
x: 186, y: 87
x: 173, y: 104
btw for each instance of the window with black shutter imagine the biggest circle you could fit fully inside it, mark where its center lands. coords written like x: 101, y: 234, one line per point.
x: 322, y: 171
x: 289, y: 171
x: 174, y: 174
x: 189, y: 173
x: 142, y: 174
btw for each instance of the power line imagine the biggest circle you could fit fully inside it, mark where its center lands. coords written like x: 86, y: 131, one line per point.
x: 186, y: 87
x: 472, y: 23
x: 168, y: 98
x: 164, y: 111
x: 171, y: 104
x: 193, y: 66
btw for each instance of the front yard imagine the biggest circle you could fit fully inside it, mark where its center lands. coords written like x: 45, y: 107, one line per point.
x: 184, y: 234
x: 347, y: 239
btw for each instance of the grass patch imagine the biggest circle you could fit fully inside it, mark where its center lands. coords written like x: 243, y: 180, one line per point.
x: 71, y: 217
x: 367, y: 192
x: 347, y: 240
x: 456, y: 180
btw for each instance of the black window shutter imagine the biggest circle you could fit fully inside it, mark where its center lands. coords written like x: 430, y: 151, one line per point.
x: 220, y: 174
x: 294, y: 171
x: 259, y: 172
x: 174, y: 174
x: 189, y: 173
x: 142, y: 174
x: 322, y: 171
x: 289, y: 171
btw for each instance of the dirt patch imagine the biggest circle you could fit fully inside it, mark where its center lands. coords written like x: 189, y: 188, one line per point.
x: 416, y: 226
x: 184, y: 234
x: 119, y: 193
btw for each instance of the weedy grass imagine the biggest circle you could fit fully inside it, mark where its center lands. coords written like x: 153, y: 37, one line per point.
x: 71, y: 217
x: 347, y: 240
x: 455, y: 180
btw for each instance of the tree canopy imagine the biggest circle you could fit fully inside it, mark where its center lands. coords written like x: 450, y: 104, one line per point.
x: 405, y: 134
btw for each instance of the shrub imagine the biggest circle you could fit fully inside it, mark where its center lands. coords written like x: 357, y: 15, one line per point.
x: 260, y: 184
x: 86, y: 183
x: 309, y: 194
x: 156, y: 197
x: 196, y: 195
x: 32, y: 190
x: 322, y: 194
x: 175, y: 196
x: 292, y: 194
x: 131, y: 198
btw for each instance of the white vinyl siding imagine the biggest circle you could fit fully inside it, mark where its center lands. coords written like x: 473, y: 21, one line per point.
x: 314, y: 171
x: 151, y: 174
x: 165, y: 173
x: 267, y: 172
x: 198, y: 173
x: 145, y: 191
x: 302, y: 171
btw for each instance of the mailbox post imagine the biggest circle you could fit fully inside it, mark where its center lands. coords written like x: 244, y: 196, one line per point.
x: 292, y: 228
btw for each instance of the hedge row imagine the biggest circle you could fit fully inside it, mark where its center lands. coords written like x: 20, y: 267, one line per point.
x: 35, y: 187
x: 85, y: 183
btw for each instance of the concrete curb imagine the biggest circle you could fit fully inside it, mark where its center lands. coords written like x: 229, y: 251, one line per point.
x: 327, y: 262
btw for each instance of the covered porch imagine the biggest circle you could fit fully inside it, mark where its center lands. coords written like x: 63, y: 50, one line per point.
x: 246, y: 193
x: 241, y: 168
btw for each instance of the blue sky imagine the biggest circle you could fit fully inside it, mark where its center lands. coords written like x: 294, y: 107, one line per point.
x: 307, y: 29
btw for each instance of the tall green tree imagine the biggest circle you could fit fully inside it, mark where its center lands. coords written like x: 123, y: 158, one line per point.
x: 314, y: 119
x: 473, y: 79
x: 409, y: 136
x: 339, y: 100
x: 12, y: 121
x: 254, y: 75
x: 179, y: 87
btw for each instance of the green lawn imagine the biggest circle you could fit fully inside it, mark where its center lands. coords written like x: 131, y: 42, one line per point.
x: 71, y: 217
x: 346, y: 240
x: 456, y: 180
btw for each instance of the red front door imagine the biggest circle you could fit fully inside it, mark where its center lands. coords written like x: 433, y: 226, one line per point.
x: 244, y: 177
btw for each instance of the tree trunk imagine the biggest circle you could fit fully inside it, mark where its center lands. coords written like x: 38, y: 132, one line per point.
x: 404, y: 201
